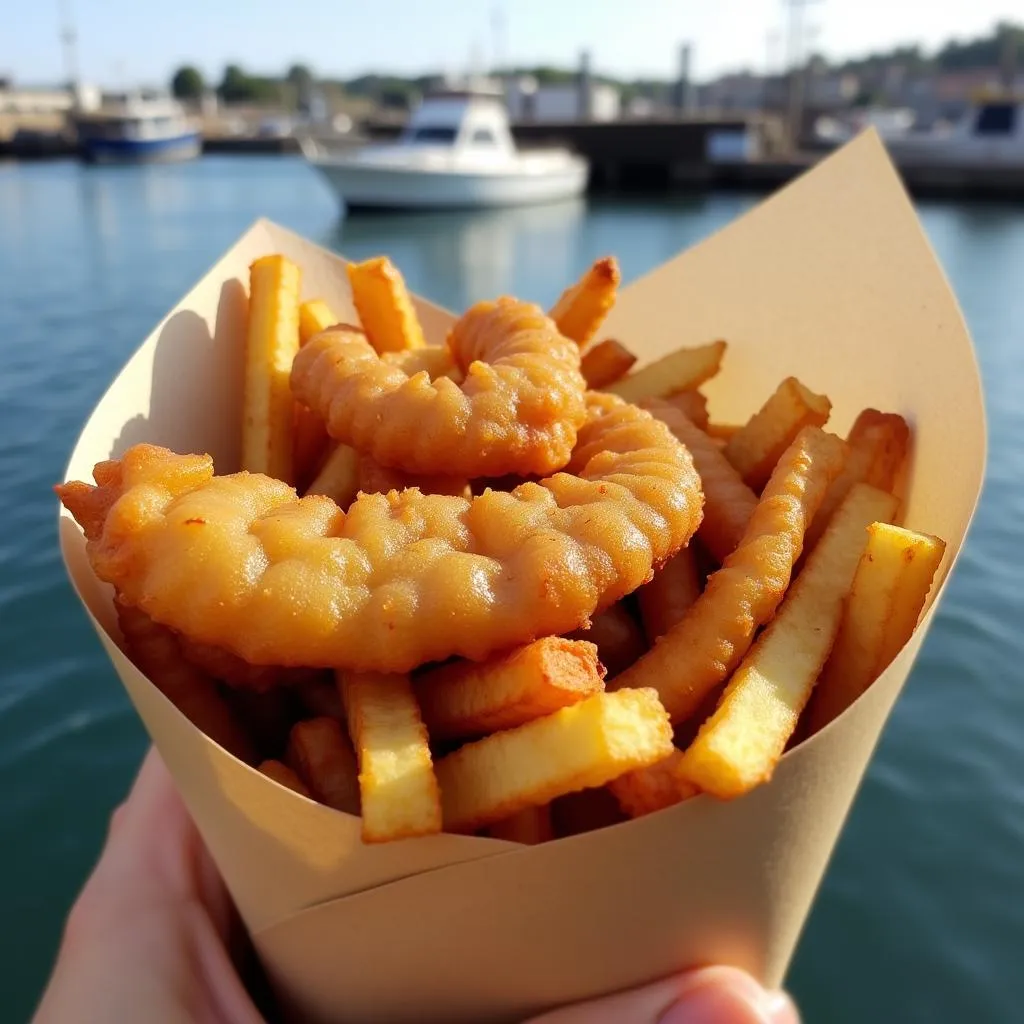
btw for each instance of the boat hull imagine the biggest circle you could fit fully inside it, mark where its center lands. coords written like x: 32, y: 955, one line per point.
x: 387, y: 188
x: 134, y: 151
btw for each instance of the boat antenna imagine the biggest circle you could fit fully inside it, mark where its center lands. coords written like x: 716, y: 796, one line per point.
x: 69, y: 44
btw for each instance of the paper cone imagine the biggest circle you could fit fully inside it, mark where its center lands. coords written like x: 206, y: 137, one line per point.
x: 831, y: 280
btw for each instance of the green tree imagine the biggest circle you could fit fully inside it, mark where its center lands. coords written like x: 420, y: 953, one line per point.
x: 187, y: 83
x: 234, y: 86
x: 301, y: 77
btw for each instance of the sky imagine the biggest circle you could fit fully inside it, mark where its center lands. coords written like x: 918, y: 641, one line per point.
x: 122, y: 42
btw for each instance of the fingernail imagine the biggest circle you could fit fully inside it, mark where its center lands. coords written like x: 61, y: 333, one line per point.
x: 722, y: 996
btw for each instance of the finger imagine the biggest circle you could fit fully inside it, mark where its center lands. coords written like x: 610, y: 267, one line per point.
x: 712, y: 995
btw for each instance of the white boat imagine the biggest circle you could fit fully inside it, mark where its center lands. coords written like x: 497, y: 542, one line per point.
x: 136, y: 128
x: 990, y: 134
x: 456, y: 152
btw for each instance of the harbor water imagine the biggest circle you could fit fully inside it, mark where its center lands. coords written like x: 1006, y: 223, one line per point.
x: 920, y: 916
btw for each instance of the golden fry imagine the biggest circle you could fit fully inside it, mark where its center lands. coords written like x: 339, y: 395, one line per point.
x: 338, y: 478
x: 582, y: 307
x: 889, y: 590
x: 682, y: 370
x: 756, y: 447
x: 585, y: 745
x: 738, y: 747
x: 721, y: 432
x: 878, y: 445
x: 698, y: 654
x: 668, y: 597
x: 320, y: 751
x: 530, y: 826
x: 397, y: 786
x: 154, y: 650
x: 728, y: 501
x: 605, y: 363
x: 272, y: 339
x: 653, y: 788
x: 468, y: 698
x: 694, y: 404
x: 314, y: 316
x: 283, y: 775
x: 384, y: 306
x: 618, y: 637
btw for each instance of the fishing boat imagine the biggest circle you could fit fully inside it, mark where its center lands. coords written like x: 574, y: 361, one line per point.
x: 455, y: 152
x: 136, y: 128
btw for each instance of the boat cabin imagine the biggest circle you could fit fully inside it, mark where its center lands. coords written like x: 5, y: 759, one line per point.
x: 464, y: 121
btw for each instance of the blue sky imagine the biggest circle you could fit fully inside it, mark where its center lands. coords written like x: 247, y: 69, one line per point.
x: 127, y: 41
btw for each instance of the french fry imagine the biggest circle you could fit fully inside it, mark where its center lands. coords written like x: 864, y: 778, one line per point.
x: 466, y: 698
x: 338, y: 478
x: 889, y: 590
x: 606, y: 362
x: 315, y: 316
x: 585, y: 745
x: 618, y: 637
x: 154, y: 650
x: 377, y: 479
x: 530, y: 826
x: 272, y: 339
x: 694, y: 404
x: 755, y: 448
x: 585, y: 811
x: 721, y: 432
x: 581, y: 308
x: 283, y: 775
x: 878, y: 445
x: 697, y: 654
x: 667, y: 598
x: 398, y: 789
x: 384, y: 307
x: 682, y: 370
x: 321, y: 753
x: 738, y: 747
x: 653, y: 788
x: 728, y: 501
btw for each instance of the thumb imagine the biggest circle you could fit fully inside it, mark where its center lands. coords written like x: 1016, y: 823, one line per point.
x: 712, y: 995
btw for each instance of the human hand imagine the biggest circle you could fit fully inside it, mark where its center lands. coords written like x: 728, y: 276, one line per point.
x: 148, y: 939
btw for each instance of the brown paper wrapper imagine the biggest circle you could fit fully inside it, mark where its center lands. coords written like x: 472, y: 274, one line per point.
x: 832, y: 280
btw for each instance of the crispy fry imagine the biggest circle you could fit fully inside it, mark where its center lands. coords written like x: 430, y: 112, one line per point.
x: 154, y: 650
x: 384, y: 306
x: 397, y: 786
x: 605, y: 363
x: 229, y: 668
x: 653, y: 788
x: 889, y: 590
x: 722, y: 432
x: 321, y: 753
x: 585, y: 745
x: 618, y: 638
x: 697, y: 655
x: 728, y: 501
x: 314, y: 316
x: 272, y: 339
x: 338, y: 478
x: 582, y: 307
x: 667, y: 598
x: 284, y: 776
x: 377, y: 479
x: 466, y: 698
x: 878, y: 445
x: 530, y: 826
x: 738, y: 747
x: 682, y: 370
x: 756, y: 447
x: 694, y: 404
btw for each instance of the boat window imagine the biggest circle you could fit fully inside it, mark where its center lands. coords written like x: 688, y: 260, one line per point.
x: 483, y: 137
x: 433, y: 133
x: 996, y: 119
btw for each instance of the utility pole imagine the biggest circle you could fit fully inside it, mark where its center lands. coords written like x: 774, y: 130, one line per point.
x: 794, y: 62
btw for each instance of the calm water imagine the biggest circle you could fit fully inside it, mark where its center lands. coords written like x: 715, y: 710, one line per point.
x: 921, y: 916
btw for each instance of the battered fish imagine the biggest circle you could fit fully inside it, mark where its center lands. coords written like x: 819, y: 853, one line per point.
x: 402, y: 578
x: 517, y: 410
